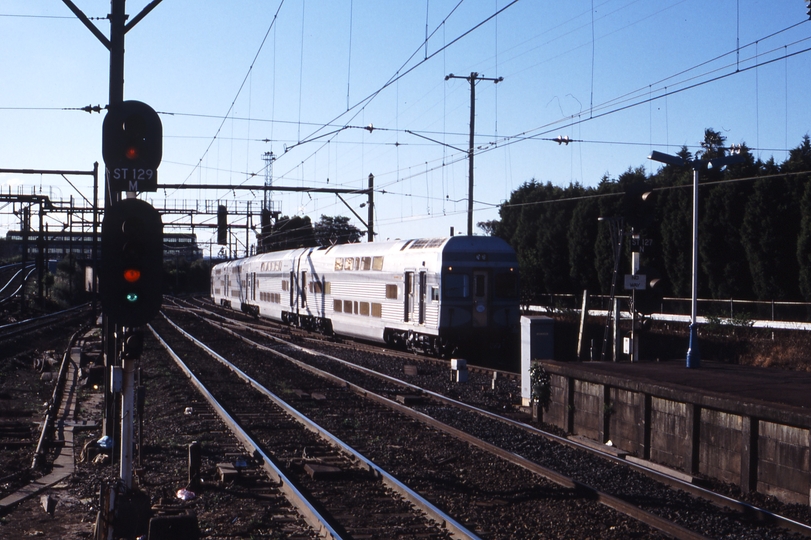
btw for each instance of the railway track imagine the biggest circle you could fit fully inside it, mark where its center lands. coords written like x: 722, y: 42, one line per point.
x: 12, y: 280
x: 331, y: 342
x: 27, y: 329
x: 494, y: 499
x: 701, y: 510
x: 342, y: 494
x: 32, y: 434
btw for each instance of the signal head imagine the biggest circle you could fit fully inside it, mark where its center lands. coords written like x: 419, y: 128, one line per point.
x: 132, y: 262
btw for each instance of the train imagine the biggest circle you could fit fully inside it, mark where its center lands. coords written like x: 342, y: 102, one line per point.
x: 438, y: 296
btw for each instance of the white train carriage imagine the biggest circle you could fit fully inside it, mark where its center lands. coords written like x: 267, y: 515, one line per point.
x: 431, y: 294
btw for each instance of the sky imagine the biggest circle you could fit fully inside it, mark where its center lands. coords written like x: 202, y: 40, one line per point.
x: 341, y: 89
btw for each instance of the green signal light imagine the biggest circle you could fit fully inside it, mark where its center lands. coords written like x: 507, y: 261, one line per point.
x: 132, y: 297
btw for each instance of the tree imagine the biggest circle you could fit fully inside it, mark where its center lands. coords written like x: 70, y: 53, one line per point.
x: 770, y: 232
x: 68, y: 283
x: 712, y: 146
x: 489, y: 228
x: 804, y: 244
x: 721, y: 251
x: 581, y: 236
x: 754, y: 241
x: 800, y: 160
x: 289, y: 233
x: 335, y: 230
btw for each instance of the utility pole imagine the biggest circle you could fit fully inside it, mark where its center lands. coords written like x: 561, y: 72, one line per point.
x: 371, y: 214
x: 472, y: 80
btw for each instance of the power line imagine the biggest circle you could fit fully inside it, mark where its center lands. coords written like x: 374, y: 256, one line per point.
x: 239, y: 91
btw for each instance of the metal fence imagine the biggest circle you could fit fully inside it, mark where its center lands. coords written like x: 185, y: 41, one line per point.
x: 736, y: 310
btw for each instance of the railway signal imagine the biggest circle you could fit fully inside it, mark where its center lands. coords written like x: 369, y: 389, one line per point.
x: 132, y: 262
x: 222, y: 225
x: 132, y: 146
x: 638, y: 205
x: 649, y: 295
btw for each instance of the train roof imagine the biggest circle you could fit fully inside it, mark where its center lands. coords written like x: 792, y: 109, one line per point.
x: 448, y: 246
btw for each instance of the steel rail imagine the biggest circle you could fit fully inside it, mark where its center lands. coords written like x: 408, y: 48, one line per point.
x: 758, y: 514
x: 310, y: 514
x: 54, y: 403
x: 265, y: 322
x: 19, y: 288
x: 585, y: 491
x: 11, y: 280
x: 454, y: 527
x: 8, y: 330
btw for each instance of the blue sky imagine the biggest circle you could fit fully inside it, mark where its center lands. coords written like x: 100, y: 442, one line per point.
x: 232, y: 82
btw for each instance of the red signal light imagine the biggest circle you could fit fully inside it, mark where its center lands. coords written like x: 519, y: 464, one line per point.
x: 132, y: 275
x: 131, y: 152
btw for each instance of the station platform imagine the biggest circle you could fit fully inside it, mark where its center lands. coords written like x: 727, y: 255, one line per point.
x: 757, y: 385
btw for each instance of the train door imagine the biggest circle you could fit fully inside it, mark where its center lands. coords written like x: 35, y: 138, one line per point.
x: 253, y: 286
x: 423, y: 287
x: 408, y: 296
x: 303, y: 291
x: 480, y: 298
x: 292, y: 289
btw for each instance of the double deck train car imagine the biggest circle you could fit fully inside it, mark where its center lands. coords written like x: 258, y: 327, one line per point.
x: 434, y: 295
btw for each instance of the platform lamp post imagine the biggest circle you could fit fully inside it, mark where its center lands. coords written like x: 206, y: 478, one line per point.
x: 693, y: 355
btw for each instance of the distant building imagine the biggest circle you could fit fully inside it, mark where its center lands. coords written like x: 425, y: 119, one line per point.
x: 58, y: 244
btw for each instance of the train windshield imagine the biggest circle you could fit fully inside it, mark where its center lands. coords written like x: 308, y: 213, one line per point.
x: 455, y: 286
x: 506, y: 286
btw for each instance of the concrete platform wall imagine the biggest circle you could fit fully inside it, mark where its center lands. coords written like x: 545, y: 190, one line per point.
x: 756, y: 446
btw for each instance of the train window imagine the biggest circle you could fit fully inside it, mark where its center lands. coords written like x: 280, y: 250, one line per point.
x: 337, y: 306
x: 455, y: 286
x: 285, y: 285
x: 347, y: 306
x: 377, y: 310
x: 366, y: 263
x: 391, y: 291
x: 349, y: 263
x: 356, y: 307
x: 377, y: 263
x: 434, y: 293
x: 327, y: 288
x: 364, y: 308
x: 339, y: 263
x: 479, y: 283
x: 506, y: 286
x: 316, y: 287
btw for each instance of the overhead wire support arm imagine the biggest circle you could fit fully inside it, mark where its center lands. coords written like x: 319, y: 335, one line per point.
x: 348, y: 191
x: 435, y: 141
x: 352, y: 210
x: 96, y: 32
x: 144, y: 12
x: 90, y: 26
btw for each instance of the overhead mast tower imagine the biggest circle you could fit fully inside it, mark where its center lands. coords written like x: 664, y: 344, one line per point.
x: 267, y: 203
